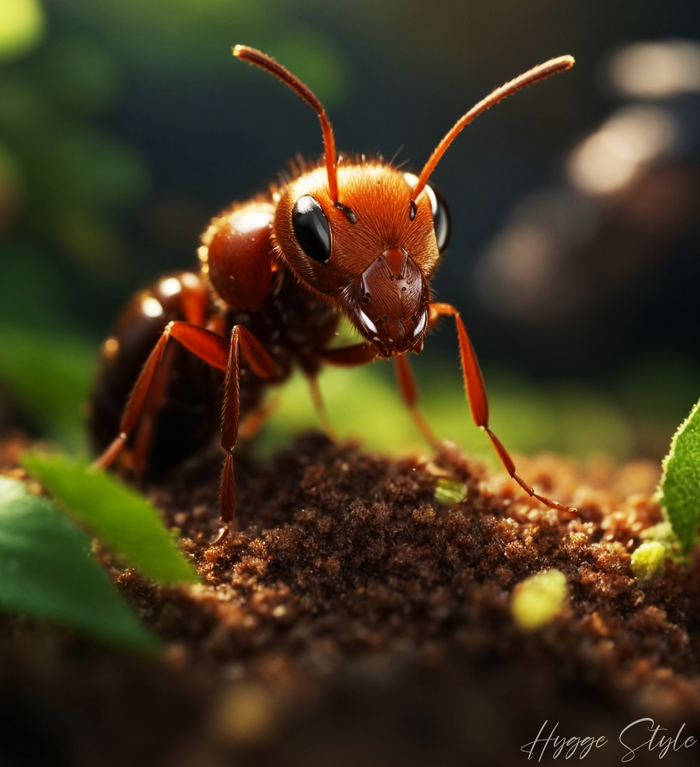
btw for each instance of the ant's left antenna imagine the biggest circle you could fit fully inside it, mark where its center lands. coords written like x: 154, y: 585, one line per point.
x: 253, y: 56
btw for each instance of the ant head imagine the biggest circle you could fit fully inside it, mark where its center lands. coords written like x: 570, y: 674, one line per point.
x: 373, y: 254
x: 365, y: 235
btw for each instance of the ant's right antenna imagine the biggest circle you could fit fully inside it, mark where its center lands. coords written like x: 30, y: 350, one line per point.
x: 540, y: 72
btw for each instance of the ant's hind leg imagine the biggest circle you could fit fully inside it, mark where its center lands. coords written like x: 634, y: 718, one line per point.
x: 208, y: 346
x: 144, y: 430
x: 181, y: 413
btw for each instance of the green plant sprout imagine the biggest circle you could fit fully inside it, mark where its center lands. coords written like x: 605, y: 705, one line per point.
x: 679, y: 489
x: 118, y: 515
x: 450, y: 492
x: 678, y: 495
x: 648, y: 560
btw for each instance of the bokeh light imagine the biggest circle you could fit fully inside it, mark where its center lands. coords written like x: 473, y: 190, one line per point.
x: 656, y: 69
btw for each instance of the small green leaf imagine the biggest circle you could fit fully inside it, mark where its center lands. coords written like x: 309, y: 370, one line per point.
x: 450, y: 492
x: 679, y: 490
x: 46, y: 572
x: 648, y: 560
x: 539, y: 599
x: 115, y: 513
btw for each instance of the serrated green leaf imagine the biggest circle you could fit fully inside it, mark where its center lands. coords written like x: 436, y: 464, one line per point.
x: 46, y: 572
x: 116, y: 514
x: 679, y: 490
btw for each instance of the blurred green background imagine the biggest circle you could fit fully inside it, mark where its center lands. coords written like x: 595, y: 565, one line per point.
x: 125, y: 125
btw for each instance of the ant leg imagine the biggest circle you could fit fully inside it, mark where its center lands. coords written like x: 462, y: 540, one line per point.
x: 349, y: 356
x: 359, y: 354
x: 145, y: 426
x: 476, y: 394
x: 214, y: 350
x: 209, y: 346
x: 243, y: 342
x: 344, y: 356
x: 409, y: 393
x: 320, y: 407
x: 255, y: 420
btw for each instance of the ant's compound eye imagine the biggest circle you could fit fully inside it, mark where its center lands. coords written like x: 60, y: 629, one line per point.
x: 441, y: 217
x: 311, y: 229
x: 441, y: 214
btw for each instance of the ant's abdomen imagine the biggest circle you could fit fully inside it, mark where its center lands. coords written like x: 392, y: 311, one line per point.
x: 182, y: 410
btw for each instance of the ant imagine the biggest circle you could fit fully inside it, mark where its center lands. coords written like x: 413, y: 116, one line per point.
x: 348, y: 236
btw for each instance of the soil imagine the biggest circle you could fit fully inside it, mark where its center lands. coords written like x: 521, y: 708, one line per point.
x: 355, y: 620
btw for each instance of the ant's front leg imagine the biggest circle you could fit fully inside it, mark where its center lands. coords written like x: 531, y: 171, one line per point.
x: 214, y: 350
x: 320, y: 406
x: 476, y: 394
x: 343, y: 356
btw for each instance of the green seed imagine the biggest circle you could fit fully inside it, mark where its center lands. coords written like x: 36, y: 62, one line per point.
x: 539, y: 599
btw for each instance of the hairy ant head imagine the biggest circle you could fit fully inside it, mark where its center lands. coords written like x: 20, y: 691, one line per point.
x: 374, y: 265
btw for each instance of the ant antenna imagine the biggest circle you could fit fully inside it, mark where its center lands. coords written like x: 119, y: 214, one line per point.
x: 540, y: 72
x: 262, y: 60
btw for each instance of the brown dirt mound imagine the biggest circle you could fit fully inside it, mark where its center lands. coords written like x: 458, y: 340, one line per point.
x: 354, y: 619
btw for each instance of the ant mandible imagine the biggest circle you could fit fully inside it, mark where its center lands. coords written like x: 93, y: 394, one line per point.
x: 352, y: 237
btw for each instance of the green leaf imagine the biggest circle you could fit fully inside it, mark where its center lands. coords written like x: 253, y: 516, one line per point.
x: 679, y: 490
x: 46, y: 572
x: 539, y: 599
x: 116, y: 514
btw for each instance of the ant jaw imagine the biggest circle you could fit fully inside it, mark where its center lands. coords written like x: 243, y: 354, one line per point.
x: 389, y: 303
x: 417, y: 348
x: 387, y: 351
x: 394, y: 351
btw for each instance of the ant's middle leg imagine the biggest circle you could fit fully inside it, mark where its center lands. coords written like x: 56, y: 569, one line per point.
x: 360, y: 354
x: 409, y: 393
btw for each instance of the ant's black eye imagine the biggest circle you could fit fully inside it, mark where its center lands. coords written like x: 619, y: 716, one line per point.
x: 441, y: 214
x: 311, y: 229
x: 441, y: 217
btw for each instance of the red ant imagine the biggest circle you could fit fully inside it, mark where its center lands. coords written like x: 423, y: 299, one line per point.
x: 351, y: 237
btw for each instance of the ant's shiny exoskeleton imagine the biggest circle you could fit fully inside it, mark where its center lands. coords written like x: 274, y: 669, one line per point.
x: 352, y: 237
